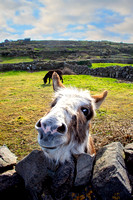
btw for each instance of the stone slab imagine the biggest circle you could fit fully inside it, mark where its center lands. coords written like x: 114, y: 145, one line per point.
x: 84, y: 168
x: 110, y: 179
x: 7, y: 159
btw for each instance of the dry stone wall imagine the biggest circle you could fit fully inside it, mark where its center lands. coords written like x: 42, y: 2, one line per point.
x: 108, y: 175
x: 41, y: 65
x: 31, y: 66
x: 125, y: 73
x: 78, y: 67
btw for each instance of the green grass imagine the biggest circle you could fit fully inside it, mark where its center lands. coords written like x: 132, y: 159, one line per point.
x: 24, y: 99
x: 6, y: 60
x: 98, y: 65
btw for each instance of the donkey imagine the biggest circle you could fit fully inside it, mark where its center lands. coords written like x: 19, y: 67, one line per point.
x: 64, y: 130
x: 49, y: 75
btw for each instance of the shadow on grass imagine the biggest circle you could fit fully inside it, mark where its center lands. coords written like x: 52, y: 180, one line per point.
x: 45, y: 85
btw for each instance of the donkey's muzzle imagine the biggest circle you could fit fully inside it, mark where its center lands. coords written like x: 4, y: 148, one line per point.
x: 51, y: 133
x: 44, y: 127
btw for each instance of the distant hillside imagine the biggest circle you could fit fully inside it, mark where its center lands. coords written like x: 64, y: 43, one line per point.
x: 66, y: 50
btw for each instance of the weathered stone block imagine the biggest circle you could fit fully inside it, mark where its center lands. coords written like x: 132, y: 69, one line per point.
x: 129, y: 162
x: 12, y: 186
x: 63, y: 179
x: 84, y: 169
x: 110, y: 178
x: 34, y: 169
x: 8, y: 180
x: 7, y: 159
x: 43, y: 177
x: 129, y: 157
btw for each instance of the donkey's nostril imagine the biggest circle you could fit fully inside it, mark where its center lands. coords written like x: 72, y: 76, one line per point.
x: 38, y: 124
x: 61, y: 129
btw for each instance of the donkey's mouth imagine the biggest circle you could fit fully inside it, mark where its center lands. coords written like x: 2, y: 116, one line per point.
x: 48, y: 147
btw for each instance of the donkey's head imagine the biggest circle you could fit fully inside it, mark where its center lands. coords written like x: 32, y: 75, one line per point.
x: 64, y: 131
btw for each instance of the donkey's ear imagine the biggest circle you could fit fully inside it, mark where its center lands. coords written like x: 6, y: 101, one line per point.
x: 99, y: 98
x: 56, y: 82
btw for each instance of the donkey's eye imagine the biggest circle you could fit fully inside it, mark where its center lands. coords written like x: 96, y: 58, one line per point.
x: 85, y: 111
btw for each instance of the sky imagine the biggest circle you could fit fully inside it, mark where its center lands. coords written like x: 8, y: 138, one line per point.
x: 67, y: 20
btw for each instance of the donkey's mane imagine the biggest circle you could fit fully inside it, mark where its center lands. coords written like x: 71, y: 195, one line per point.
x: 73, y: 92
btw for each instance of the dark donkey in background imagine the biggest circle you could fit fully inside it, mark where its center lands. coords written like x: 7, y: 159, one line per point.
x: 49, y: 75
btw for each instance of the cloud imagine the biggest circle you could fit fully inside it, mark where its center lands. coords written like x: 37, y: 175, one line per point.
x: 125, y: 27
x: 21, y: 12
x: 59, y: 17
x: 86, y: 19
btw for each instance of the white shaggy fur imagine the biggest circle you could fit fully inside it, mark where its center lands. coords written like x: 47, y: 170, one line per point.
x: 64, y: 152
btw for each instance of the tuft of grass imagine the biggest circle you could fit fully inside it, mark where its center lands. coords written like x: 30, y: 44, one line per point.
x: 24, y: 99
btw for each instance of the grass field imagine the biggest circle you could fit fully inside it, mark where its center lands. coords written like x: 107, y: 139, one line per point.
x: 11, y: 60
x: 97, y: 65
x: 24, y: 99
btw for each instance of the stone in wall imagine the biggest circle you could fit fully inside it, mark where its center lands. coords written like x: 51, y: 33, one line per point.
x: 33, y: 169
x: 7, y: 159
x: 129, y: 157
x: 84, y: 168
x: 110, y: 179
x: 42, y: 176
x: 12, y: 186
x: 129, y: 162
